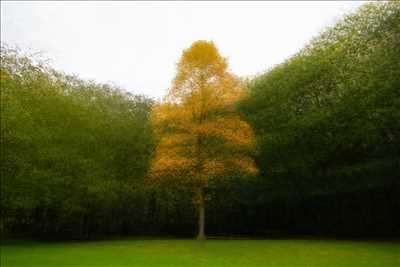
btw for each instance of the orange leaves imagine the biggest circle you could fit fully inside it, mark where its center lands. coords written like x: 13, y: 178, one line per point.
x: 164, y: 164
x: 170, y: 117
x: 169, y: 165
x: 213, y: 167
x: 200, y: 135
x: 229, y: 129
x: 244, y: 165
x: 200, y: 66
x: 201, y: 54
x: 3, y: 76
x: 176, y: 140
x: 228, y: 165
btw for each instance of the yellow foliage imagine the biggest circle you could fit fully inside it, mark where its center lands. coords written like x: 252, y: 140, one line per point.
x: 200, y: 134
x: 3, y: 75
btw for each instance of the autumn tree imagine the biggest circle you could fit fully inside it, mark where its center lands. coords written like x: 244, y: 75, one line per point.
x: 201, y: 135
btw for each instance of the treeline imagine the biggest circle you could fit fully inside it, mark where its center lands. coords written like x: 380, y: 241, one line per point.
x: 328, y: 124
x: 74, y: 154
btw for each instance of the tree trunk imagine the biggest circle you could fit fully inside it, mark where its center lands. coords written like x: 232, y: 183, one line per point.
x: 201, y: 207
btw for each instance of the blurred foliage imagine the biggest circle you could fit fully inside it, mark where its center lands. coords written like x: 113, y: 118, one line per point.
x: 74, y: 153
x: 68, y: 147
x: 327, y: 122
x: 328, y: 118
x: 201, y: 137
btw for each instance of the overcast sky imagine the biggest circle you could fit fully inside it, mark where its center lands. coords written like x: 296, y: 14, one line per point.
x: 137, y: 44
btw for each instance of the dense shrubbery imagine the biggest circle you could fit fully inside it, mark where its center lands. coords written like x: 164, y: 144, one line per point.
x: 74, y: 153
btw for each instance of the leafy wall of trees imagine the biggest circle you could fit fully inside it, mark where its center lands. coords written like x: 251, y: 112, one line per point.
x: 74, y: 153
x: 328, y: 124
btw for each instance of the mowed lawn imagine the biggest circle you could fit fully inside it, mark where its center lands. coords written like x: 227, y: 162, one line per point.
x: 190, y: 253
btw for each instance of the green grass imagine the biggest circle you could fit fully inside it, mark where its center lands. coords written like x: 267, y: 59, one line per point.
x: 190, y: 253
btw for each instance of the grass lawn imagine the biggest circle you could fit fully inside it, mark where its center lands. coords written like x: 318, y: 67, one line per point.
x: 190, y: 253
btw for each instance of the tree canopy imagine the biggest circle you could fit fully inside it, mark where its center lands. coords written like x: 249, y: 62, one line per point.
x: 69, y: 148
x: 201, y: 135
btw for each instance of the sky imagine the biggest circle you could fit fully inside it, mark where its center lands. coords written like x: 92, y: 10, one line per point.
x: 136, y: 45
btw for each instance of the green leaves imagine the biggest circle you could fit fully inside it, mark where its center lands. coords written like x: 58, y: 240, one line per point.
x: 333, y: 106
x: 66, y: 142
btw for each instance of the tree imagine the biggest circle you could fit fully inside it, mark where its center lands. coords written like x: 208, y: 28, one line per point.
x: 73, y: 153
x: 201, y: 136
x: 327, y: 122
